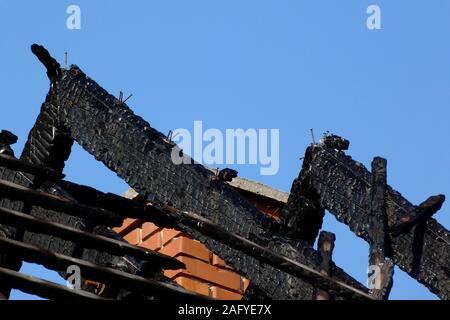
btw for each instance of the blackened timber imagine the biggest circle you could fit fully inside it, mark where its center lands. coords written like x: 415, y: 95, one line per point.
x: 43, y: 288
x: 89, y: 240
x: 379, y: 232
x: 140, y: 155
x: 377, y: 219
x: 11, y: 261
x: 49, y: 201
x: 56, y: 149
x: 302, y: 215
x: 19, y: 165
x: 166, y: 218
x: 325, y: 245
x: 109, y: 201
x: 343, y: 186
x: 260, y: 253
x: 56, y: 261
x: 421, y: 213
x: 170, y: 217
x: 52, y: 66
x: 49, y: 145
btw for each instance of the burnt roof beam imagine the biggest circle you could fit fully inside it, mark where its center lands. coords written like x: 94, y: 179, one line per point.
x: 89, y: 240
x: 343, y: 186
x: 140, y: 155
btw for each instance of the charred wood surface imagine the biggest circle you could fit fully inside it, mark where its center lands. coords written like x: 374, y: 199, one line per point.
x: 140, y: 155
x: 344, y: 187
x: 43, y: 288
x: 89, y: 240
x: 56, y: 261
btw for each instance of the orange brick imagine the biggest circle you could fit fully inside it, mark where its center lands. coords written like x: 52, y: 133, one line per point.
x: 172, y: 249
x: 127, y: 225
x: 219, y: 262
x: 134, y: 237
x: 195, y: 249
x: 169, y: 234
x: 153, y: 242
x: 188, y: 247
x: 201, y: 270
x: 223, y: 294
x: 193, y: 285
x: 148, y: 229
x: 172, y: 274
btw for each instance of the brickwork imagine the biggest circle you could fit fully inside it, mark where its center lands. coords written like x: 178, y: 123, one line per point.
x: 105, y: 127
x: 206, y: 273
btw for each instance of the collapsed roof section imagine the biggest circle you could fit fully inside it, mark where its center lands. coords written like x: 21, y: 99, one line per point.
x: 78, y: 108
x: 414, y: 241
x: 277, y: 256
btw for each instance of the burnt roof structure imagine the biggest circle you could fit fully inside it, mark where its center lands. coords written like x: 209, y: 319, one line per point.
x: 58, y: 223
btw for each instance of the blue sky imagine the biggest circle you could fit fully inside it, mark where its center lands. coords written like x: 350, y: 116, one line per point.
x: 290, y: 65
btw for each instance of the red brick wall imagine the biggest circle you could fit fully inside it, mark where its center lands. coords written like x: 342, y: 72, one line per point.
x: 205, y: 273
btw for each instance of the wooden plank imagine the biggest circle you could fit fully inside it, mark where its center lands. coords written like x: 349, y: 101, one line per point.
x: 173, y: 218
x: 48, y: 201
x: 99, y: 242
x: 19, y: 165
x: 325, y: 246
x: 43, y: 288
x: 378, y: 233
x: 343, y: 187
x: 169, y: 215
x: 59, y: 262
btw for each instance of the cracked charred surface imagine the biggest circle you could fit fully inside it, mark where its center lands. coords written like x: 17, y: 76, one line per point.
x: 50, y: 146
x: 344, y: 188
x: 303, y: 214
x: 140, y: 155
x: 77, y: 108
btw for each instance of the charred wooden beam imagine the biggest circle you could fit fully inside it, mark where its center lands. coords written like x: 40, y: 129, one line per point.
x: 88, y: 240
x: 94, y: 272
x: 378, y: 219
x: 343, y: 186
x: 20, y: 165
x: 174, y: 218
x: 303, y: 214
x: 142, y: 156
x: 52, y: 66
x: 381, y: 282
x: 325, y: 247
x: 108, y: 201
x: 43, y: 288
x: 11, y: 261
x: 421, y: 213
x: 171, y: 217
x: 49, y: 145
x: 7, y: 138
x: 17, y: 192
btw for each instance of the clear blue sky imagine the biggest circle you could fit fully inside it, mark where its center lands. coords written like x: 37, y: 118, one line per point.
x: 292, y: 65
